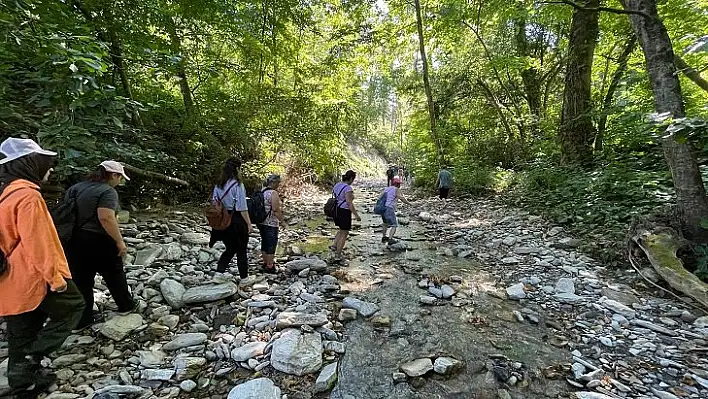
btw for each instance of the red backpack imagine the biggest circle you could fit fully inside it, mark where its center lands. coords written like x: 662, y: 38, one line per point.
x: 216, y: 214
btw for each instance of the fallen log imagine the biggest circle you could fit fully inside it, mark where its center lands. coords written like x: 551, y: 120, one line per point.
x: 154, y: 175
x: 661, y: 248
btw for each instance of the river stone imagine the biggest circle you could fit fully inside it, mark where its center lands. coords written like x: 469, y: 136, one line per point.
x: 566, y: 285
x: 701, y: 322
x: 119, y: 390
x: 173, y: 251
x: 173, y: 292
x: 248, y: 351
x: 569, y: 298
x: 591, y: 395
x: 119, y: 327
x: 446, y: 365
x: 327, y: 378
x: 184, y: 341
x: 619, y: 308
x: 297, y: 353
x: 296, y: 319
x: 366, y: 309
x: 123, y: 217
x: 157, y: 375
x: 195, y: 238
x: 151, y: 359
x: 148, y: 255
x: 516, y: 292
x: 187, y: 385
x: 447, y: 291
x: 624, y: 297
x: 313, y: 264
x: 260, y: 388
x: 209, y: 293
x: 3, y: 375
x: 417, y: 367
x: 187, y: 367
x: 68, y: 360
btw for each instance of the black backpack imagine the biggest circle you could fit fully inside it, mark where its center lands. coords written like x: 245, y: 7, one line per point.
x: 257, y: 206
x: 4, y: 264
x: 65, y: 214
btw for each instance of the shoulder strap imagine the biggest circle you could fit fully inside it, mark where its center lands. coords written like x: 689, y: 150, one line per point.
x: 221, y: 199
x: 340, y: 192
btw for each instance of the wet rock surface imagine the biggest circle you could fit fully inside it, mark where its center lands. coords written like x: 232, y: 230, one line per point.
x: 478, y: 301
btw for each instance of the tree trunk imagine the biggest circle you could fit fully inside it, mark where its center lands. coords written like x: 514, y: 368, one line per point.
x: 180, y: 70
x: 530, y: 77
x: 609, y: 96
x: 665, y: 83
x: 576, y: 129
x: 426, y: 84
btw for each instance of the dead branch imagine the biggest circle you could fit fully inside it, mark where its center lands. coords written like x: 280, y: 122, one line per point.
x: 154, y: 175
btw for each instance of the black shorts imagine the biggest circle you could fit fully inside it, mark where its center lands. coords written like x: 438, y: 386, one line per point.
x: 444, y: 192
x: 343, y: 219
x: 269, y: 239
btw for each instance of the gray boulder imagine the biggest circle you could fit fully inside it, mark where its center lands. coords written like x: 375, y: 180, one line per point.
x: 260, y: 388
x: 185, y: 341
x: 366, y: 309
x: 297, y: 353
x: 314, y: 264
x: 119, y: 327
x: 209, y: 293
x: 173, y: 292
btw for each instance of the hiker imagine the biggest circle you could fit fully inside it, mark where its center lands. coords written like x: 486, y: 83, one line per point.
x: 96, y: 245
x: 389, y: 175
x: 444, y: 184
x: 390, y: 221
x: 273, y: 222
x: 344, y: 195
x: 230, y: 191
x: 36, y: 284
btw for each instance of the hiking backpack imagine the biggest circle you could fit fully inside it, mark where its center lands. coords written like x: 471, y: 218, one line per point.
x: 64, y: 215
x: 216, y: 214
x: 331, y: 206
x: 380, y: 207
x: 257, y: 206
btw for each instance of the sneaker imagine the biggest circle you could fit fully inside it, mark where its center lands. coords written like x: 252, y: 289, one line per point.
x: 384, y: 240
x: 136, y: 306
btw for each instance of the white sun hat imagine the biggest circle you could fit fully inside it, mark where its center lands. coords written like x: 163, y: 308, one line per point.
x: 14, y: 148
x: 115, y: 167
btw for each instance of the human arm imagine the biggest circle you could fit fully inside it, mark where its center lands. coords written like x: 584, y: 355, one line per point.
x: 277, y: 207
x: 36, y: 231
x: 349, y: 196
x: 106, y: 211
x: 109, y: 221
x: 400, y: 196
x: 240, y: 204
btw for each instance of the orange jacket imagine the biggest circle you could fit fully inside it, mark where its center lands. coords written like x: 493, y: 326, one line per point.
x: 37, y: 260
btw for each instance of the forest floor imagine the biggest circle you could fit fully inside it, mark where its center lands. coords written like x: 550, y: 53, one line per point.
x: 477, y: 300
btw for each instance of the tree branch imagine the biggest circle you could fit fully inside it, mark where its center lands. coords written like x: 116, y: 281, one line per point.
x: 154, y: 175
x: 606, y: 9
x: 691, y: 73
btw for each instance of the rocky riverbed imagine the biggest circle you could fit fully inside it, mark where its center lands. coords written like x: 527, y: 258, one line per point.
x: 475, y: 301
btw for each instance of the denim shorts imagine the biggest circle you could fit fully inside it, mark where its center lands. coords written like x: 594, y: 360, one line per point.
x: 269, y: 239
x: 389, y: 217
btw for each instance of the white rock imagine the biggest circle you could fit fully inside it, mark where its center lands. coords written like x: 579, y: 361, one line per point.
x: 366, y: 309
x: 151, y: 359
x: 119, y: 327
x: 173, y: 251
x: 418, y: 367
x: 173, y: 292
x: 314, y: 264
x: 187, y: 385
x: 248, y: 351
x: 516, y: 292
x: 591, y: 395
x: 567, y: 297
x: 184, y: 341
x: 260, y: 388
x: 445, y: 365
x: 701, y: 322
x: 157, y: 375
x: 566, y: 285
x: 297, y: 319
x: 619, y: 308
x: 297, y: 353
x: 327, y: 378
x: 195, y: 238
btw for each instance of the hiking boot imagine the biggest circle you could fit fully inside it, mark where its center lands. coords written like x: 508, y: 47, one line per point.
x: 136, y: 306
x: 384, y: 240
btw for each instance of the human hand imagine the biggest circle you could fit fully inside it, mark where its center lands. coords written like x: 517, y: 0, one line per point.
x: 61, y: 289
x: 122, y: 249
x: 250, y: 228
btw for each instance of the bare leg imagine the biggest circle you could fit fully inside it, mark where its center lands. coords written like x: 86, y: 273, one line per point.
x: 392, y: 232
x: 340, y: 243
x: 385, y: 229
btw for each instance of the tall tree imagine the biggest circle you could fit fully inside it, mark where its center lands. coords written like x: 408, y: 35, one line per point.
x: 181, y: 69
x: 426, y: 83
x: 576, y: 128
x: 668, y: 98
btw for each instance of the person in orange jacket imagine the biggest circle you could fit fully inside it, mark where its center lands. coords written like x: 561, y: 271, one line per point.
x: 36, y: 284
